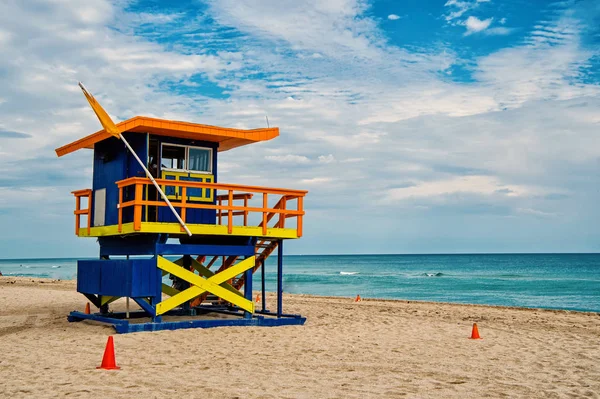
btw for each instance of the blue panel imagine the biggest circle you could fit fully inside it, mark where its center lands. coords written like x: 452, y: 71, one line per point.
x: 193, y: 216
x: 115, y: 277
x: 208, y: 250
x: 134, y: 277
x: 143, y: 278
x: 109, y: 167
x: 139, y: 144
x: 193, y: 192
x: 142, y: 244
x: 170, y: 190
x: 88, y: 277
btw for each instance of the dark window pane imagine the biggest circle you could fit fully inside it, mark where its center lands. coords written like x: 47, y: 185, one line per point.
x: 173, y: 157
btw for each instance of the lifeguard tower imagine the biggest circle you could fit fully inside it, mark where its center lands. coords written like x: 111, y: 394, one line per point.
x: 221, y: 233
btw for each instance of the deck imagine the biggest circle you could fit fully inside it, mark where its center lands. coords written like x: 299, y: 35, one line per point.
x: 238, y: 213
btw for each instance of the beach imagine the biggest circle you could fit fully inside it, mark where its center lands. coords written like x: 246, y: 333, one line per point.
x: 346, y: 349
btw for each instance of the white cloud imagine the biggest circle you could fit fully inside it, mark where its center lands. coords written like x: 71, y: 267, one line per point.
x: 393, y: 17
x: 288, y: 158
x: 460, y: 7
x: 316, y: 181
x: 526, y: 126
x: 535, y: 212
x: 481, y: 185
x: 474, y: 25
x: 326, y: 158
x: 498, y: 31
x: 332, y: 27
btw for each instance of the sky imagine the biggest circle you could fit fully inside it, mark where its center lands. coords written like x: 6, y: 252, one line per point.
x: 458, y: 126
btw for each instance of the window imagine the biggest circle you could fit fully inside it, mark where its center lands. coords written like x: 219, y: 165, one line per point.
x: 173, y: 157
x: 199, y: 159
x: 188, y: 158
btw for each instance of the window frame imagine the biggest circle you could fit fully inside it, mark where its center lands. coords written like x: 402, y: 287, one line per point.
x: 187, y: 158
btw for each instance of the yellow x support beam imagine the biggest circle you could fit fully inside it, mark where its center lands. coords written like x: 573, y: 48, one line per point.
x: 206, y: 273
x: 201, y: 285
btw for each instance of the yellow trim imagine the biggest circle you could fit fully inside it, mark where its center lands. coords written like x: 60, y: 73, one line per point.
x: 105, y: 299
x: 205, y: 178
x: 197, y: 229
x: 170, y: 291
x: 201, y: 285
x: 206, y: 273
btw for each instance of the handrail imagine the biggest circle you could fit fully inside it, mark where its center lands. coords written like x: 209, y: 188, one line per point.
x: 217, y: 186
x: 245, y: 197
x: 78, y: 211
x: 223, y: 202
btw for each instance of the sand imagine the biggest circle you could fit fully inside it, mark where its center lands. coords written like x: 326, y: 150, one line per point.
x: 374, y: 348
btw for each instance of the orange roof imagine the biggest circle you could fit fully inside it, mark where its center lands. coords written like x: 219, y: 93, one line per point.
x: 226, y: 137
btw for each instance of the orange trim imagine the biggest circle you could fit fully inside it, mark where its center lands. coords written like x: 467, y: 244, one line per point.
x: 230, y: 209
x: 216, y: 186
x: 183, y: 203
x: 230, y: 214
x: 264, y: 216
x: 300, y: 218
x: 78, y: 211
x: 137, y: 208
x: 227, y: 138
x: 120, y: 209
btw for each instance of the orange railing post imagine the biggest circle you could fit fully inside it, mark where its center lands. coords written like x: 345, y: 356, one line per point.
x: 183, y: 205
x: 137, y: 207
x: 120, y: 209
x: 300, y: 216
x: 220, y: 211
x: 77, y: 208
x: 264, y: 218
x: 89, y: 213
x: 78, y: 211
x: 230, y: 213
x: 282, y: 215
x: 245, y: 211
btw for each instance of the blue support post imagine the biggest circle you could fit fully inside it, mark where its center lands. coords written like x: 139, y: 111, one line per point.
x: 248, y: 289
x: 158, y: 294
x: 263, y: 291
x: 280, y: 278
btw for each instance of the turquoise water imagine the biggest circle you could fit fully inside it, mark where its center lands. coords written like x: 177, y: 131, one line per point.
x: 556, y: 281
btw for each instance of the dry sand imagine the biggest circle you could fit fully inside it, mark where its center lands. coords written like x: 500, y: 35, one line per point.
x: 372, y: 348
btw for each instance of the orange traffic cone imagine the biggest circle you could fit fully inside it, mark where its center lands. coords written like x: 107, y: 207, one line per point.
x: 257, y: 298
x: 108, y: 361
x: 87, y: 308
x: 475, y: 332
x: 357, y: 299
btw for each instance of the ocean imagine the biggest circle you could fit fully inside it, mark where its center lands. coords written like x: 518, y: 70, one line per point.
x: 553, y: 281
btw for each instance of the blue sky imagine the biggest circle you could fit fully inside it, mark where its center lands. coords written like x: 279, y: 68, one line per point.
x: 417, y: 126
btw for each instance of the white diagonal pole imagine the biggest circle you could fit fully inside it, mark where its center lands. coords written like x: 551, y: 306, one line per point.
x: 113, y: 130
x: 162, y: 194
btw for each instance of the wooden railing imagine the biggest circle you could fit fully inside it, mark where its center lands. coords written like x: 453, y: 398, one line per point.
x: 225, y: 206
x: 86, y: 212
x: 236, y: 197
